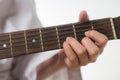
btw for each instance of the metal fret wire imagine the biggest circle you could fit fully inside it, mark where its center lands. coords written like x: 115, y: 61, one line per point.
x: 26, y: 42
x: 11, y: 44
x: 92, y: 27
x: 74, y: 31
x: 113, y: 28
x: 41, y: 39
x: 58, y: 37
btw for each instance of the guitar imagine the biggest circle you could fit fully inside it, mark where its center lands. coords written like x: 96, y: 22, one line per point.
x: 44, y: 39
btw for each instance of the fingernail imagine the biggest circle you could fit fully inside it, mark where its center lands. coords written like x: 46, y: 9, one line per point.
x: 86, y: 33
x: 68, y: 38
x: 65, y: 44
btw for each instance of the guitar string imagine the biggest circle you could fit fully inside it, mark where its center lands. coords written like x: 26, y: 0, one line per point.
x: 50, y: 36
x: 60, y: 33
x: 29, y: 44
x: 79, y: 27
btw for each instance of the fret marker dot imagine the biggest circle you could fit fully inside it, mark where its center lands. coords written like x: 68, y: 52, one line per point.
x: 4, y: 45
x: 33, y: 40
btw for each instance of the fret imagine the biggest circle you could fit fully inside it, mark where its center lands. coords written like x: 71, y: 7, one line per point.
x: 74, y: 32
x: 49, y: 38
x: 113, y: 28
x: 92, y: 27
x: 33, y: 40
x: 18, y: 43
x: 26, y: 42
x: 64, y: 32
x: 104, y: 26
x: 58, y: 38
x: 117, y: 26
x: 41, y: 40
x: 81, y: 28
x: 11, y: 45
x: 5, y: 48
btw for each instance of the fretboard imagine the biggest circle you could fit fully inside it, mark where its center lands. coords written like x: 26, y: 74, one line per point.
x: 50, y: 38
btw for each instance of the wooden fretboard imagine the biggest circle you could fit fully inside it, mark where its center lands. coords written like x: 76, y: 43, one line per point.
x: 50, y: 38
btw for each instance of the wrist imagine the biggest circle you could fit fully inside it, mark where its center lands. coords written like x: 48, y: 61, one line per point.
x: 50, y: 66
x: 61, y: 58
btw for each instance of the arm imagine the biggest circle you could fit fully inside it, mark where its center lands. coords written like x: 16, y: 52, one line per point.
x: 77, y: 53
x: 51, y: 65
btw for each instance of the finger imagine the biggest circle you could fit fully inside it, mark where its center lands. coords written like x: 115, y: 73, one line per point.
x: 93, y: 50
x: 79, y: 50
x: 83, y: 17
x: 68, y: 63
x: 99, y: 38
x: 70, y: 54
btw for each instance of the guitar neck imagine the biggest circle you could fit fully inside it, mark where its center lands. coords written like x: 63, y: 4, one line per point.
x: 43, y: 39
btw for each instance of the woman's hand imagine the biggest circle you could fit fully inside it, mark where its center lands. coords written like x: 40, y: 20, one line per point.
x: 75, y: 53
x: 80, y: 53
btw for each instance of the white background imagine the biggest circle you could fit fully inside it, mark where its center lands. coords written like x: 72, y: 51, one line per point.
x: 54, y: 12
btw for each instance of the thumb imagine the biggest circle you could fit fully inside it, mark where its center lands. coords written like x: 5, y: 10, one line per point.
x: 83, y: 17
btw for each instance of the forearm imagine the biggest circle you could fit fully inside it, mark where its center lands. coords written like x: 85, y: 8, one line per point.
x: 50, y: 66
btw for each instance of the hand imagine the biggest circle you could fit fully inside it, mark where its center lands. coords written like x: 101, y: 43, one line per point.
x: 77, y: 53
x: 86, y: 51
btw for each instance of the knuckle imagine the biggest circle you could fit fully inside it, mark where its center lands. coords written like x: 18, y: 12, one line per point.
x: 73, y: 59
x: 104, y: 40
x: 81, y: 52
x: 94, y: 52
x: 92, y: 60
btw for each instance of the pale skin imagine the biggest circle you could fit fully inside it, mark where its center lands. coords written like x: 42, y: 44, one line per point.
x: 75, y: 53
